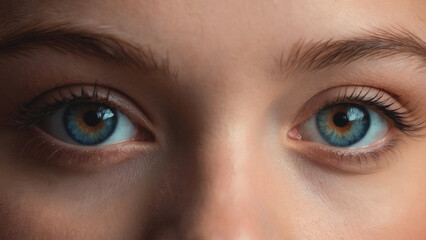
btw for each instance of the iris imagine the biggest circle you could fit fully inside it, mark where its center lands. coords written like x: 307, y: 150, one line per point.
x: 344, y: 124
x: 90, y: 123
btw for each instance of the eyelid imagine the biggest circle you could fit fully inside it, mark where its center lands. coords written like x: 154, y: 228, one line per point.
x: 41, y: 148
x: 365, y: 160
x: 368, y: 158
x: 44, y: 148
x: 358, y: 95
x: 352, y: 160
x: 60, y: 97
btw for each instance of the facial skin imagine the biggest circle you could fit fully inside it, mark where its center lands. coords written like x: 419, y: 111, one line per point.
x: 222, y: 161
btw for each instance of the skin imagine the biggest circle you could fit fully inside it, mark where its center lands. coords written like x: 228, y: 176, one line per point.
x: 222, y: 166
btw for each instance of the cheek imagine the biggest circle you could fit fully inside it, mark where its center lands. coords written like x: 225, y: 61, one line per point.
x: 30, y: 209
x: 30, y: 219
x: 405, y: 215
x: 394, y: 206
x: 385, y: 205
x: 409, y: 200
x: 42, y: 220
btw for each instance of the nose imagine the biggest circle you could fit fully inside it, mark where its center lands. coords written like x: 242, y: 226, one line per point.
x: 228, y: 207
x: 228, y: 189
x: 226, y: 183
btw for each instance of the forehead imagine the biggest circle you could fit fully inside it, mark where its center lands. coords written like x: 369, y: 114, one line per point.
x: 194, y: 32
x: 193, y: 13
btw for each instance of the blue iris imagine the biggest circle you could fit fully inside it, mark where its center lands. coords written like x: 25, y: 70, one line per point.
x: 343, y: 125
x: 90, y: 123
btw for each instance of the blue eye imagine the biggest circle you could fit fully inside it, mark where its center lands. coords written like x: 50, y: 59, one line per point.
x: 343, y: 125
x: 346, y: 125
x: 89, y: 124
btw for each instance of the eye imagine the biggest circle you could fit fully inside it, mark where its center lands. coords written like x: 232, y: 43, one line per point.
x: 354, y: 130
x: 89, y: 124
x: 345, y: 125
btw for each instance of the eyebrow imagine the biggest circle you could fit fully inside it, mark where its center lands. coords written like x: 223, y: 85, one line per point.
x: 68, y: 39
x: 304, y: 56
x: 373, y: 45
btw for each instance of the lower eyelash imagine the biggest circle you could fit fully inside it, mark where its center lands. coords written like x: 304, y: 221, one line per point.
x: 41, y: 148
x: 365, y: 157
x: 352, y: 161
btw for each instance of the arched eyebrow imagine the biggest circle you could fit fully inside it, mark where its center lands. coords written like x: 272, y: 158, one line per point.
x: 307, y: 56
x: 82, y: 42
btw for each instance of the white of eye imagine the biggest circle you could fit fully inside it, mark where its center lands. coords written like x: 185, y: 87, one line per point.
x: 377, y: 130
x: 379, y: 126
x: 54, y: 125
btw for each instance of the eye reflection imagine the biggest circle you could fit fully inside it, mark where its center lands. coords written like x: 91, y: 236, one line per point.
x: 343, y: 125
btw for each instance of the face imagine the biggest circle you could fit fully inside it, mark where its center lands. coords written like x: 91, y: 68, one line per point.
x: 212, y: 120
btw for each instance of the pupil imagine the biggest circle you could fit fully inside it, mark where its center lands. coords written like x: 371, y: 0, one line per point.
x: 340, y: 119
x: 91, y: 118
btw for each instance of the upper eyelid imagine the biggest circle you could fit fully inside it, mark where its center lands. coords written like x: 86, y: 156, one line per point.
x: 409, y: 121
x: 352, y: 93
x: 405, y: 116
x: 56, y: 98
x: 68, y: 94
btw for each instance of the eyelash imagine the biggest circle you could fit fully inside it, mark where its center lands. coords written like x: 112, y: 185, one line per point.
x: 405, y: 119
x: 27, y: 116
x: 366, y: 162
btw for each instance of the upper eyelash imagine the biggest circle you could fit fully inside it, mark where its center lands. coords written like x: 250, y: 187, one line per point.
x: 405, y: 119
x: 26, y: 116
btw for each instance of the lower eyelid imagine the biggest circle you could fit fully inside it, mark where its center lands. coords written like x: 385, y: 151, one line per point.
x: 362, y: 160
x: 46, y: 150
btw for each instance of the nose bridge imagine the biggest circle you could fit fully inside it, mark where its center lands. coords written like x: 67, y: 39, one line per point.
x: 227, y: 206
x: 225, y: 160
x: 225, y: 155
x: 225, y: 152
